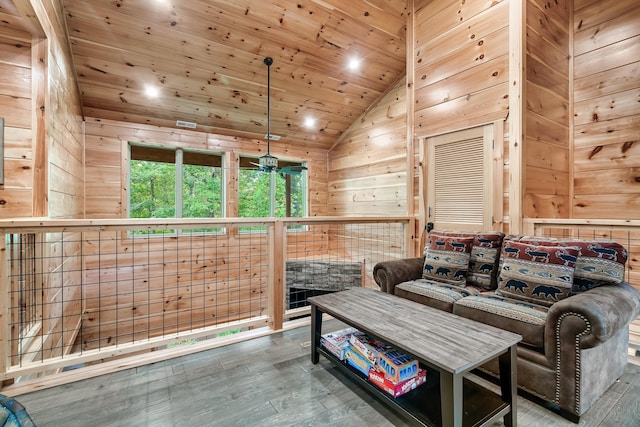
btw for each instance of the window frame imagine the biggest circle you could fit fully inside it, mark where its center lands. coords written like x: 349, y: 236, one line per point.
x: 178, y: 162
x: 243, y: 160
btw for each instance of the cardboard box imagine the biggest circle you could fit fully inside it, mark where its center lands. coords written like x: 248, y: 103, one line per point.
x: 397, y: 366
x: 358, y: 361
x: 337, y: 342
x: 397, y: 389
x: 369, y: 347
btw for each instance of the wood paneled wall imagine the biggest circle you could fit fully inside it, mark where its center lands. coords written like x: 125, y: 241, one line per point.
x: 106, y: 160
x: 461, y: 64
x: 60, y: 164
x: 607, y: 109
x: 547, y: 112
x: 15, y: 107
x: 461, y: 67
x: 368, y: 168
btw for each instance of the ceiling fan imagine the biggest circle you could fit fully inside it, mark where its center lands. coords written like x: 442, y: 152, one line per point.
x: 269, y: 163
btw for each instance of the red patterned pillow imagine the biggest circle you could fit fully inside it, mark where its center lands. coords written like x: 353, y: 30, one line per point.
x: 446, y: 259
x: 539, y: 274
x: 599, y: 263
x: 483, y: 261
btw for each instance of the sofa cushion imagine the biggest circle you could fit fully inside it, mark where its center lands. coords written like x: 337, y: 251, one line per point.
x: 483, y: 260
x: 536, y: 273
x: 600, y: 261
x: 506, y: 313
x: 434, y: 294
x: 446, y: 259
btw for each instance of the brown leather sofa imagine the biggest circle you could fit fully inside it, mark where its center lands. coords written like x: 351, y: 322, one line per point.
x: 571, y: 306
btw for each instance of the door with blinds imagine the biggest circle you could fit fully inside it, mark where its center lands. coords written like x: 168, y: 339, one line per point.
x: 459, y: 179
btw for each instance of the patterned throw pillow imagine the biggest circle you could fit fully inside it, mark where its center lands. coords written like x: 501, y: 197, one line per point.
x: 483, y: 261
x: 539, y: 274
x: 446, y: 259
x: 599, y: 263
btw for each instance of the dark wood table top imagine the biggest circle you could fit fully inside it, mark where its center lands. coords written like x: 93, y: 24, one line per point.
x: 452, y: 343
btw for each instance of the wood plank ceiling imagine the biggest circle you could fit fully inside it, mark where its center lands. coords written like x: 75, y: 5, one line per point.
x: 206, y: 59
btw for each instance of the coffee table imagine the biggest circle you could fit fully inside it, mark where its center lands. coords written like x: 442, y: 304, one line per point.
x: 449, y: 346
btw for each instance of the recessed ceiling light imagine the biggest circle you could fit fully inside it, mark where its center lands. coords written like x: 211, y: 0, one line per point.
x: 151, y: 91
x: 354, y: 64
x: 309, y: 122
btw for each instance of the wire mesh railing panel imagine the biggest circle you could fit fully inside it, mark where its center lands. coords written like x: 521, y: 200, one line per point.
x: 161, y: 284
x: 84, y: 291
x: 332, y: 257
x: 46, y: 303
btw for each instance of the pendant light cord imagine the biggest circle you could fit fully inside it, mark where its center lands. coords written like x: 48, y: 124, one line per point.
x: 268, y: 61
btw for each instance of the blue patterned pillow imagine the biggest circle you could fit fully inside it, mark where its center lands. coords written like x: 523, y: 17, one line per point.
x: 446, y: 259
x: 536, y: 273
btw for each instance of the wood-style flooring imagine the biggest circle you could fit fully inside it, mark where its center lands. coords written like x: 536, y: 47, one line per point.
x: 267, y: 381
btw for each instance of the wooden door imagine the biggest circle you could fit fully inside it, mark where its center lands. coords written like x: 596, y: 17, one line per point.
x: 459, y: 179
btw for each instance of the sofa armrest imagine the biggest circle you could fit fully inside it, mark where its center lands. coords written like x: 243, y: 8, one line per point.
x: 390, y: 273
x: 591, y: 317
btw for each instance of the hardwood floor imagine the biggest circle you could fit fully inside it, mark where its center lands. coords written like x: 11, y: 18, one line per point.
x: 267, y: 381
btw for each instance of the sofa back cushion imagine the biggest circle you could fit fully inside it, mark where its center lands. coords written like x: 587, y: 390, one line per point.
x: 483, y: 260
x: 446, y: 259
x: 541, y: 274
x: 600, y: 261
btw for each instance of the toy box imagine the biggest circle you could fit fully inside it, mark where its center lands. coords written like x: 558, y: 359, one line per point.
x: 397, y: 366
x: 337, y: 342
x: 368, y: 347
x: 397, y: 389
x: 358, y: 361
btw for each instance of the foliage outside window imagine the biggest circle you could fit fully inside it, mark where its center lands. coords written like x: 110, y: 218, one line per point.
x: 167, y: 183
x: 255, y: 197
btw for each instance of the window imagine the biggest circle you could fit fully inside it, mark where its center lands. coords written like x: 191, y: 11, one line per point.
x: 275, y: 194
x: 174, y: 183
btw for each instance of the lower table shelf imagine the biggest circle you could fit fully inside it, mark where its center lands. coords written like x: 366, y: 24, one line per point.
x: 422, y: 405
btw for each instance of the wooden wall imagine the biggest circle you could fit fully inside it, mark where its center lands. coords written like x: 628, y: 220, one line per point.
x: 106, y: 161
x: 547, y: 111
x: 582, y: 121
x: 16, y: 196
x: 45, y: 165
x: 461, y: 64
x: 607, y: 110
x: 368, y: 167
x: 461, y: 67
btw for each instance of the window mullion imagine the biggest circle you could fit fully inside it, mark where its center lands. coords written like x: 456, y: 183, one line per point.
x: 272, y: 194
x: 179, y: 160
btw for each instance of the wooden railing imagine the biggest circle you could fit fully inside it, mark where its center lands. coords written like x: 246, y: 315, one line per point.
x: 625, y: 232
x: 103, y: 295
x: 88, y: 293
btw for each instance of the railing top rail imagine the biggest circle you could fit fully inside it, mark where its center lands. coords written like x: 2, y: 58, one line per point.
x: 58, y: 225
x: 582, y: 222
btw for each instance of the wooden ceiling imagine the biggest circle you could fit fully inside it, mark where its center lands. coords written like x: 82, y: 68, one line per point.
x: 206, y: 59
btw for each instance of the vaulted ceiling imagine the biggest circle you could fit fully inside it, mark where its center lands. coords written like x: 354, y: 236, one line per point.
x: 205, y: 57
